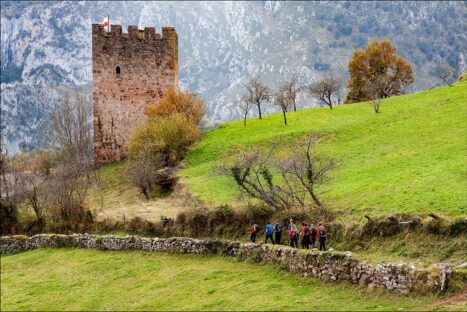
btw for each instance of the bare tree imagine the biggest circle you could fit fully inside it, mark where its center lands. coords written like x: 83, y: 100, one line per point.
x: 31, y: 174
x: 142, y: 170
x: 280, y: 178
x: 257, y: 93
x: 70, y: 131
x: 325, y: 89
x: 292, y: 87
x: 244, y: 107
x: 375, y: 90
x: 444, y: 72
x: 284, y: 101
x: 23, y: 178
x: 70, y: 128
x: 67, y: 190
x: 307, y: 168
x: 253, y: 173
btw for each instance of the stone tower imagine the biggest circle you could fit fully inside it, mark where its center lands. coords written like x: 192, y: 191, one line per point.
x: 129, y: 70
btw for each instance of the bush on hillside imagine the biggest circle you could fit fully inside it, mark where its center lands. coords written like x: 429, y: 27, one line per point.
x: 168, y: 139
x: 178, y: 102
x: 155, y: 148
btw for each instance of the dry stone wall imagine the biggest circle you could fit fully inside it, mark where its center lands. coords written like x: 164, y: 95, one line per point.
x: 329, y: 266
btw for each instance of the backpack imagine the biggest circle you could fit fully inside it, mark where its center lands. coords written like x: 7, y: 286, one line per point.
x: 314, y: 232
x: 255, y: 228
x: 322, y: 233
x: 307, y: 232
x: 292, y: 234
x: 269, y: 229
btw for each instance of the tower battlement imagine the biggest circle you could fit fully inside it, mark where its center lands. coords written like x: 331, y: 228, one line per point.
x: 130, y: 70
x: 148, y: 34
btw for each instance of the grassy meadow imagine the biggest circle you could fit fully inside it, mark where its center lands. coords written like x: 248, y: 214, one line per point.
x: 79, y: 279
x: 410, y: 158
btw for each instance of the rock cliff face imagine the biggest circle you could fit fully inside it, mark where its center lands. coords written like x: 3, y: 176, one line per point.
x: 329, y: 266
x: 221, y: 44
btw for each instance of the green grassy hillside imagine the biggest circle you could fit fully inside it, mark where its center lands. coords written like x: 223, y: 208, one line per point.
x: 104, y: 280
x: 410, y: 158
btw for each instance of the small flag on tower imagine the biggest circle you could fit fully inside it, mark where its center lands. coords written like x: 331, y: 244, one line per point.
x: 106, y: 23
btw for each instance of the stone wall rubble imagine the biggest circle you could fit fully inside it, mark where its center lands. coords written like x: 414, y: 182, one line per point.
x: 329, y: 266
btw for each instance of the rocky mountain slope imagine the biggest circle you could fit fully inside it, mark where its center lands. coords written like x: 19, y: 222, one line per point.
x: 46, y: 47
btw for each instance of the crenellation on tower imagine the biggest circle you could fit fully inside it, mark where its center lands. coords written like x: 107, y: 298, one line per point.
x: 130, y: 70
x: 149, y: 33
x: 116, y: 30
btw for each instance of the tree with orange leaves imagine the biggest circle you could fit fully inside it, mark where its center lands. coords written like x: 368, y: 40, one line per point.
x: 378, y: 62
x: 178, y: 102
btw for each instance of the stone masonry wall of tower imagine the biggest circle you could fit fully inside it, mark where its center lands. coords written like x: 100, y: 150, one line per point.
x: 130, y: 70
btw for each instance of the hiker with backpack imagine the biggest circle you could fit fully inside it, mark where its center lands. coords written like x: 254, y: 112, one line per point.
x: 254, y: 231
x: 269, y: 232
x: 305, y: 236
x: 322, y: 237
x: 314, y: 234
x: 293, y: 234
x: 289, y: 225
x: 278, y: 232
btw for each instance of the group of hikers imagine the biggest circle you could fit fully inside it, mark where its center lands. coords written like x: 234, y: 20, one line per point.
x: 308, y: 234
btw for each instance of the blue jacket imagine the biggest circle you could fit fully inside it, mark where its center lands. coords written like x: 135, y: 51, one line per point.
x: 269, y: 229
x: 278, y: 228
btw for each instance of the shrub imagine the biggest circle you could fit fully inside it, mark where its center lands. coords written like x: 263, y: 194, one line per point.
x: 458, y: 227
x: 178, y: 102
x: 155, y: 148
x: 259, y: 212
x: 169, y: 139
x: 197, y: 221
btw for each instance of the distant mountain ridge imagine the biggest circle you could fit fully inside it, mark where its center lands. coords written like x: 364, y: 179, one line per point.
x: 46, y: 47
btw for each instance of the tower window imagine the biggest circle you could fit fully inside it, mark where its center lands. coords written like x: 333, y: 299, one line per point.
x: 117, y: 70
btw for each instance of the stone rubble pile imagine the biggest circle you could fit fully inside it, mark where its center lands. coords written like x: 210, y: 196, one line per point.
x: 328, y: 266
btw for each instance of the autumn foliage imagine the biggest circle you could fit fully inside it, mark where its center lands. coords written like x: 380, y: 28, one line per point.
x: 378, y: 62
x: 178, y: 102
x: 168, y: 139
x: 156, y: 146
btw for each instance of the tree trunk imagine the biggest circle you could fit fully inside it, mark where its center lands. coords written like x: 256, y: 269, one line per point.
x: 285, y: 118
x: 244, y: 121
x: 315, y: 198
x: 145, y: 192
x: 294, y: 106
x: 259, y: 110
